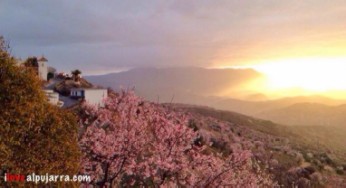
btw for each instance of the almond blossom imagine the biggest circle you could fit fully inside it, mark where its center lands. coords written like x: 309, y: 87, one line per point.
x: 137, y: 143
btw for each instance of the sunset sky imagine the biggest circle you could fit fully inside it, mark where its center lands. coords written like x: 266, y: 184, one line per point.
x: 277, y: 38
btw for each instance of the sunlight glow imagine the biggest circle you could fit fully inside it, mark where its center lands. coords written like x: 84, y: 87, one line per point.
x: 311, y: 74
x: 325, y: 76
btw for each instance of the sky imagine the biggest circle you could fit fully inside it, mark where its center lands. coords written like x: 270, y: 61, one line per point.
x: 99, y: 37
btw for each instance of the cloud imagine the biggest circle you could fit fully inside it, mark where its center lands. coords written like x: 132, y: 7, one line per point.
x: 102, y: 36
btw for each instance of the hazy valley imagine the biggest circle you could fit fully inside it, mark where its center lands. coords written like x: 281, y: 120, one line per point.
x: 200, y: 86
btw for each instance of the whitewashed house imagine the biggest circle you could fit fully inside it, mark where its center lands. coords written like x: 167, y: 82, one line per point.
x: 93, y: 96
x: 53, y: 97
x: 42, y: 68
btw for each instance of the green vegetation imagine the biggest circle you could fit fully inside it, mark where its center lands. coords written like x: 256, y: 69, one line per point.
x: 31, y: 62
x: 76, y: 74
x: 50, y: 75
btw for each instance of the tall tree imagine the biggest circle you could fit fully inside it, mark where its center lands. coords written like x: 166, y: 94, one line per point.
x: 31, y: 62
x: 35, y: 136
x: 76, y: 74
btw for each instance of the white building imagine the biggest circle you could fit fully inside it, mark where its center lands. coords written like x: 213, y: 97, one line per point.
x: 42, y: 68
x: 53, y: 97
x: 93, y: 96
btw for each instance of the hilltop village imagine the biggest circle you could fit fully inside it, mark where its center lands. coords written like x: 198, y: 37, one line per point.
x: 63, y: 89
x: 192, y: 143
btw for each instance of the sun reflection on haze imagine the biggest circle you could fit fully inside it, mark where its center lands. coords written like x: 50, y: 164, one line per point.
x: 300, y: 76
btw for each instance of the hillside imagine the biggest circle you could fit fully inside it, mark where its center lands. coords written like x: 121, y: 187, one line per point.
x: 317, y: 137
x: 302, y: 148
x: 308, y: 114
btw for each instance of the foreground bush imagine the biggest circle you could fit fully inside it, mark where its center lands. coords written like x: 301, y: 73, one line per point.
x: 131, y: 142
x: 35, y: 137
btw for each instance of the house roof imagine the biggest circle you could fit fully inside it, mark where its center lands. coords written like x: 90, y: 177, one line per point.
x: 83, y: 89
x: 42, y: 58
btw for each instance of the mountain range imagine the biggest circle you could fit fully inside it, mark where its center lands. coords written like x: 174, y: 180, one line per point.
x: 182, y: 84
x: 200, y: 86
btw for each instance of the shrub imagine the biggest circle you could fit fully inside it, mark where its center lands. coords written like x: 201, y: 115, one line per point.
x: 35, y: 136
x: 131, y: 142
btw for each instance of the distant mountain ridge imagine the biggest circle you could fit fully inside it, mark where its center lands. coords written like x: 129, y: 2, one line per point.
x: 254, y: 108
x: 200, y: 86
x: 183, y: 84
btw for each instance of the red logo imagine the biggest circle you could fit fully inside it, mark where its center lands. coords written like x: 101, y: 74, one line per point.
x: 14, y: 177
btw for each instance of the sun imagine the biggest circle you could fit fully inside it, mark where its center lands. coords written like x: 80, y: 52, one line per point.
x: 310, y: 74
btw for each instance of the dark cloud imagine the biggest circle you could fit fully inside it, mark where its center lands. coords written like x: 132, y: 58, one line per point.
x: 110, y: 35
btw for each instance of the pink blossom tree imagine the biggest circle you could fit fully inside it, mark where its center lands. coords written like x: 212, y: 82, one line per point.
x: 132, y: 142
